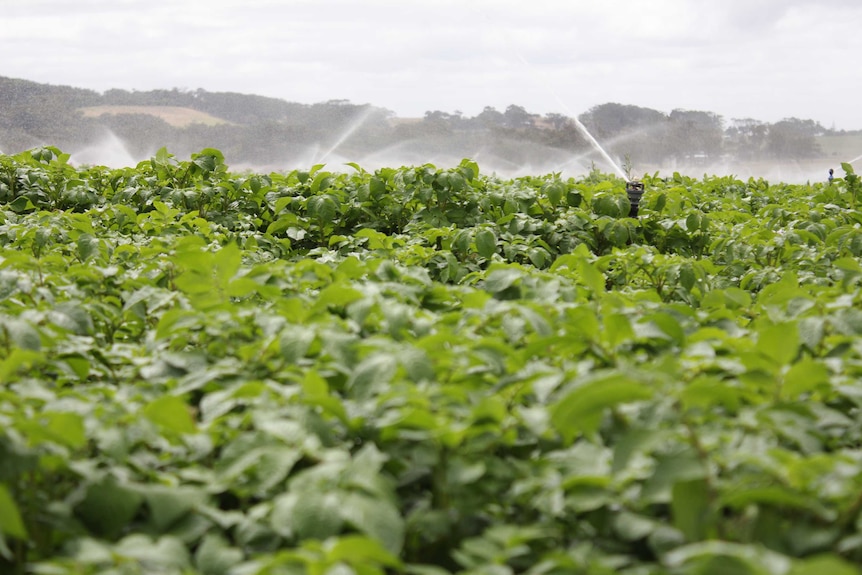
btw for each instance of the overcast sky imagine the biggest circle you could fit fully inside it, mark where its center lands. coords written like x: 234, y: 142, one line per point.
x: 762, y: 59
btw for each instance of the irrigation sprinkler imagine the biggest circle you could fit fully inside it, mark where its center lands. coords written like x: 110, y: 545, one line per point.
x: 634, y: 190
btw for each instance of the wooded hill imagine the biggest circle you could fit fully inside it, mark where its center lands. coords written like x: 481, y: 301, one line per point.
x: 258, y: 130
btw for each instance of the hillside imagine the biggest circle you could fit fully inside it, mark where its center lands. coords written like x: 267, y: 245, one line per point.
x: 121, y: 127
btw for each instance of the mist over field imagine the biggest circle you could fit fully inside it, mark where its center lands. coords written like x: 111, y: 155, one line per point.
x: 111, y: 151
x: 119, y: 128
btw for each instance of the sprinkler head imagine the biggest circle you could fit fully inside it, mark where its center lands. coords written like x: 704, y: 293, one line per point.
x: 634, y: 190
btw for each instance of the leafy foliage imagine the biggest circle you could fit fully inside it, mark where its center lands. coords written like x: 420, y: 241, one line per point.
x: 424, y: 370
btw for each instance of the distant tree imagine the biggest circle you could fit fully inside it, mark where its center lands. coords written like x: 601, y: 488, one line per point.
x: 517, y: 118
x: 612, y: 119
x: 172, y: 97
x: 793, y: 138
x: 560, y: 132
x: 438, y: 118
x: 489, y: 118
x: 632, y: 132
x: 746, y: 138
x: 43, y: 113
x: 694, y: 133
x: 557, y: 121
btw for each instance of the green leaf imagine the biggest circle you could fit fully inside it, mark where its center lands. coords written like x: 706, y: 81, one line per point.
x: 736, y: 298
x: 617, y: 330
x: 323, y: 208
x: 162, y: 157
x: 589, y: 273
x: 376, y: 518
x: 338, y: 295
x: 610, y: 204
x: 581, y: 410
x: 823, y: 564
x: 804, y: 376
x: 10, y: 519
x: 309, y: 513
x: 64, y: 428
x: 79, y: 365
x: 168, y: 504
x: 88, y: 247
x: 635, y: 441
x: 691, y: 509
x: 779, y: 342
x: 500, y: 279
x: 781, y: 292
x: 21, y: 333
x: 206, y: 163
x: 670, y: 470
x: 242, y: 287
x: 73, y: 317
x: 171, y: 413
x: 295, y: 341
x: 555, y: 191
x: 724, y: 558
x: 166, y: 552
x: 284, y: 221
x: 850, y: 268
x: 226, y: 262
x: 583, y: 322
x: 470, y: 169
x: 707, y: 392
x: 215, y: 556
x: 372, y: 374
x: 108, y: 507
x: 669, y: 325
x: 377, y: 186
x: 692, y: 222
x: 773, y: 495
x: 21, y: 205
x: 19, y: 360
x: 359, y: 550
x: 486, y: 243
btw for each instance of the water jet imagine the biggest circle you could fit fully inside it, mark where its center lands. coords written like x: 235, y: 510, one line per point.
x: 578, y: 124
x: 109, y: 150
x: 354, y: 125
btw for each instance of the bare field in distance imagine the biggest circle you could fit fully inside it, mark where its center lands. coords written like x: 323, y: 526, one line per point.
x: 174, y: 115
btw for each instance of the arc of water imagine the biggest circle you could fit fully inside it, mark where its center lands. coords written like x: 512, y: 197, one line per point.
x: 611, y: 142
x: 354, y: 125
x: 578, y: 124
x: 597, y: 146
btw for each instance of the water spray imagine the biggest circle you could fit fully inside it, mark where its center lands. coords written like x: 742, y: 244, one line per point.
x: 634, y: 188
x: 354, y: 125
x: 578, y: 124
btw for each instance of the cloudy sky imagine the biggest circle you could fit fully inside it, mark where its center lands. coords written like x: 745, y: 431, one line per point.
x: 762, y: 59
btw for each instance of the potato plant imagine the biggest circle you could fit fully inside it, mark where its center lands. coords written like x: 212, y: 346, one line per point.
x: 425, y: 371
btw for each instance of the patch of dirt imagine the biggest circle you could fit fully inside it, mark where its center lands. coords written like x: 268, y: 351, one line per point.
x: 174, y: 115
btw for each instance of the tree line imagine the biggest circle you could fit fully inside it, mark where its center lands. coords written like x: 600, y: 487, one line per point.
x: 262, y: 130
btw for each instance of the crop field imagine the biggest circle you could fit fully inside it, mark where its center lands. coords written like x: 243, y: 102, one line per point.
x: 425, y: 371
